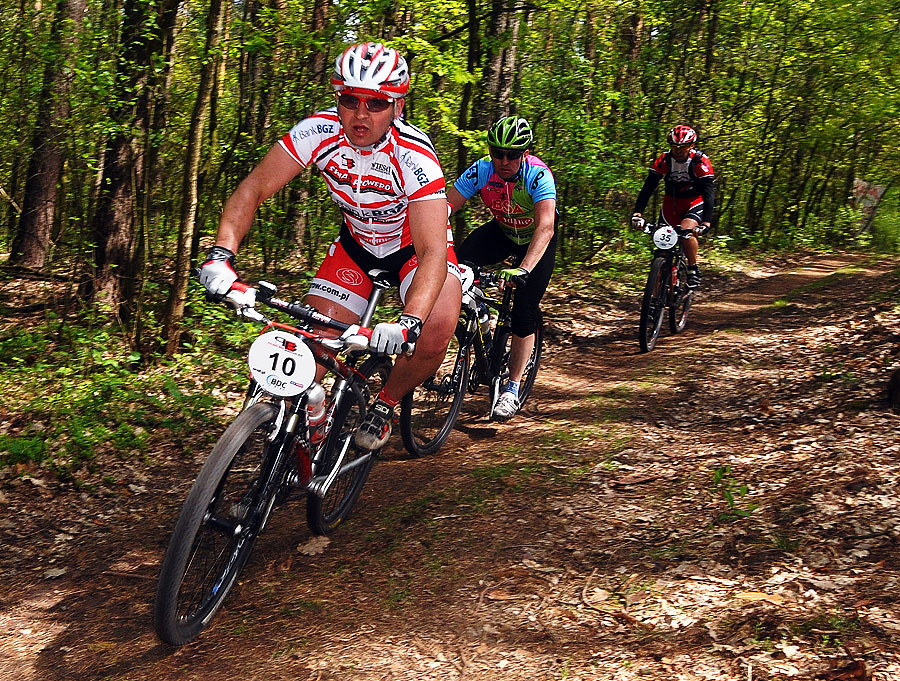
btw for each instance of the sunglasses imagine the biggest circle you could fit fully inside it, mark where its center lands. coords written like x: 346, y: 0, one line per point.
x: 500, y: 154
x: 373, y: 104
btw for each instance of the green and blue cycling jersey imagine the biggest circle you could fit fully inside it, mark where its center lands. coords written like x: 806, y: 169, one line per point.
x: 511, y: 203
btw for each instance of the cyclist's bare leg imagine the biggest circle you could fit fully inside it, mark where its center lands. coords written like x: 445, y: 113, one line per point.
x: 335, y: 311
x: 519, y: 354
x: 689, y: 243
x: 438, y: 329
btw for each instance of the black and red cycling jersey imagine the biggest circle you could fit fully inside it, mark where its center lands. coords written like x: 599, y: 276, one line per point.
x: 685, y: 182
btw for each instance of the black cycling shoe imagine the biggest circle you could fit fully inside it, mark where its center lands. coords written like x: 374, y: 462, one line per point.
x: 693, y: 276
x: 375, y: 429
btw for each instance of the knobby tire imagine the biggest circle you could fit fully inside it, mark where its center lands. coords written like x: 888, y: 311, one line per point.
x: 325, y: 514
x: 534, y: 361
x: 678, y: 311
x: 218, y: 526
x: 429, y: 412
x: 653, y: 305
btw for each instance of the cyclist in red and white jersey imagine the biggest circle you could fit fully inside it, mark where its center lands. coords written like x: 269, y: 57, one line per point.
x: 384, y: 175
x: 689, y: 194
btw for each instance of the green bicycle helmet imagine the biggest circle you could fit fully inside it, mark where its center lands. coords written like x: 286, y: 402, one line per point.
x: 510, y: 132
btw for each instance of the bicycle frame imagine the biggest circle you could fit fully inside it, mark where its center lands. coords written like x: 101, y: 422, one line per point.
x: 664, y: 289
x: 292, y: 425
x: 488, y: 361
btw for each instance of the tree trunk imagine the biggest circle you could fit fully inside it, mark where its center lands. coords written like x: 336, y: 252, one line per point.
x: 190, y: 194
x: 510, y: 67
x: 32, y: 240
x: 463, y: 122
x: 115, y: 222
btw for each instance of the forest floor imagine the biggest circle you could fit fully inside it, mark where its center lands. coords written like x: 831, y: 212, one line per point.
x: 726, y: 507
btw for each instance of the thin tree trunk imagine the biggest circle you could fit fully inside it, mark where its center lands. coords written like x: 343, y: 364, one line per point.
x: 32, y: 241
x: 474, y: 55
x: 510, y: 67
x: 190, y: 194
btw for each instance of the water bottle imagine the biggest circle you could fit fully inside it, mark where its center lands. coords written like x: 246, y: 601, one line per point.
x: 315, y: 410
x: 484, y: 323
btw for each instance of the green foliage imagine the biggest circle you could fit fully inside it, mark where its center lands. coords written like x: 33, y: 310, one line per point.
x: 732, y: 492
x: 75, y: 391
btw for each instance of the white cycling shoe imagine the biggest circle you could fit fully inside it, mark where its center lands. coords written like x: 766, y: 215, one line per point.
x: 506, y: 407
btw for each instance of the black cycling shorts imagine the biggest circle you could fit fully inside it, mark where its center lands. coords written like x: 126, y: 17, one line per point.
x: 488, y: 245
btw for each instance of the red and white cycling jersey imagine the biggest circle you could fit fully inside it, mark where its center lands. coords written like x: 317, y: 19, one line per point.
x: 372, y: 187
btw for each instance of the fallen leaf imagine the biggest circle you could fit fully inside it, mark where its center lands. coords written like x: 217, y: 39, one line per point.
x: 757, y: 596
x: 53, y: 573
x: 634, y: 479
x: 598, y: 595
x: 501, y: 595
x: 855, y: 671
x: 314, y: 546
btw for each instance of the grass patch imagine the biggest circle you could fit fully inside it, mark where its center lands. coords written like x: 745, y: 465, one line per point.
x: 833, y: 278
x: 830, y: 630
x: 783, y: 543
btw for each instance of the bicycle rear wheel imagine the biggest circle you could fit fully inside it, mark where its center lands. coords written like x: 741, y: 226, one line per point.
x: 324, y: 514
x: 653, y: 305
x: 678, y: 311
x: 429, y: 412
x: 222, y: 516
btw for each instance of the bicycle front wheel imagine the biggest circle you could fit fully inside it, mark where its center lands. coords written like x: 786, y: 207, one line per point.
x: 429, y: 412
x: 653, y: 305
x: 324, y: 514
x: 222, y: 516
x: 678, y: 310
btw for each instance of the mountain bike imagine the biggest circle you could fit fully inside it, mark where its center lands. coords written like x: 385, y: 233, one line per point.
x: 667, y: 286
x: 291, y: 436
x: 478, y: 355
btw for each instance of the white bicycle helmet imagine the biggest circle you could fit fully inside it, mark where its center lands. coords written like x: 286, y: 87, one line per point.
x: 371, y: 66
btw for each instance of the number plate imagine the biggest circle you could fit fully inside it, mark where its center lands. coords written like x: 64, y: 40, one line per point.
x: 665, y: 237
x: 281, y: 363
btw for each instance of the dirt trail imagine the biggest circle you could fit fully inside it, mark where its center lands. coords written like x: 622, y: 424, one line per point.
x: 725, y: 507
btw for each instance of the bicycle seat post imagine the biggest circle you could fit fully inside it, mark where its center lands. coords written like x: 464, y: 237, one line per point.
x: 380, y: 284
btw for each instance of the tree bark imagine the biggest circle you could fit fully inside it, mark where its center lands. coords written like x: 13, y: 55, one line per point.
x: 33, y: 234
x: 474, y: 54
x: 190, y: 194
x: 143, y: 28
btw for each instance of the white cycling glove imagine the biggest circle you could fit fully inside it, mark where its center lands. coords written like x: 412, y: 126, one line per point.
x: 637, y: 221
x: 243, y: 302
x: 391, y: 338
x: 217, y: 272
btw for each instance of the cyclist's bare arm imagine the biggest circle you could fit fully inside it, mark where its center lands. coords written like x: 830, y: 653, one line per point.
x: 428, y: 229
x: 544, y: 216
x: 455, y: 199
x: 276, y: 169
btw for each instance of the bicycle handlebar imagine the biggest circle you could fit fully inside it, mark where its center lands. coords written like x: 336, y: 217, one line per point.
x: 265, y: 293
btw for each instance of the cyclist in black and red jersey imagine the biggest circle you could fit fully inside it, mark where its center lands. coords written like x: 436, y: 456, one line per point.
x: 386, y: 179
x: 689, y: 194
